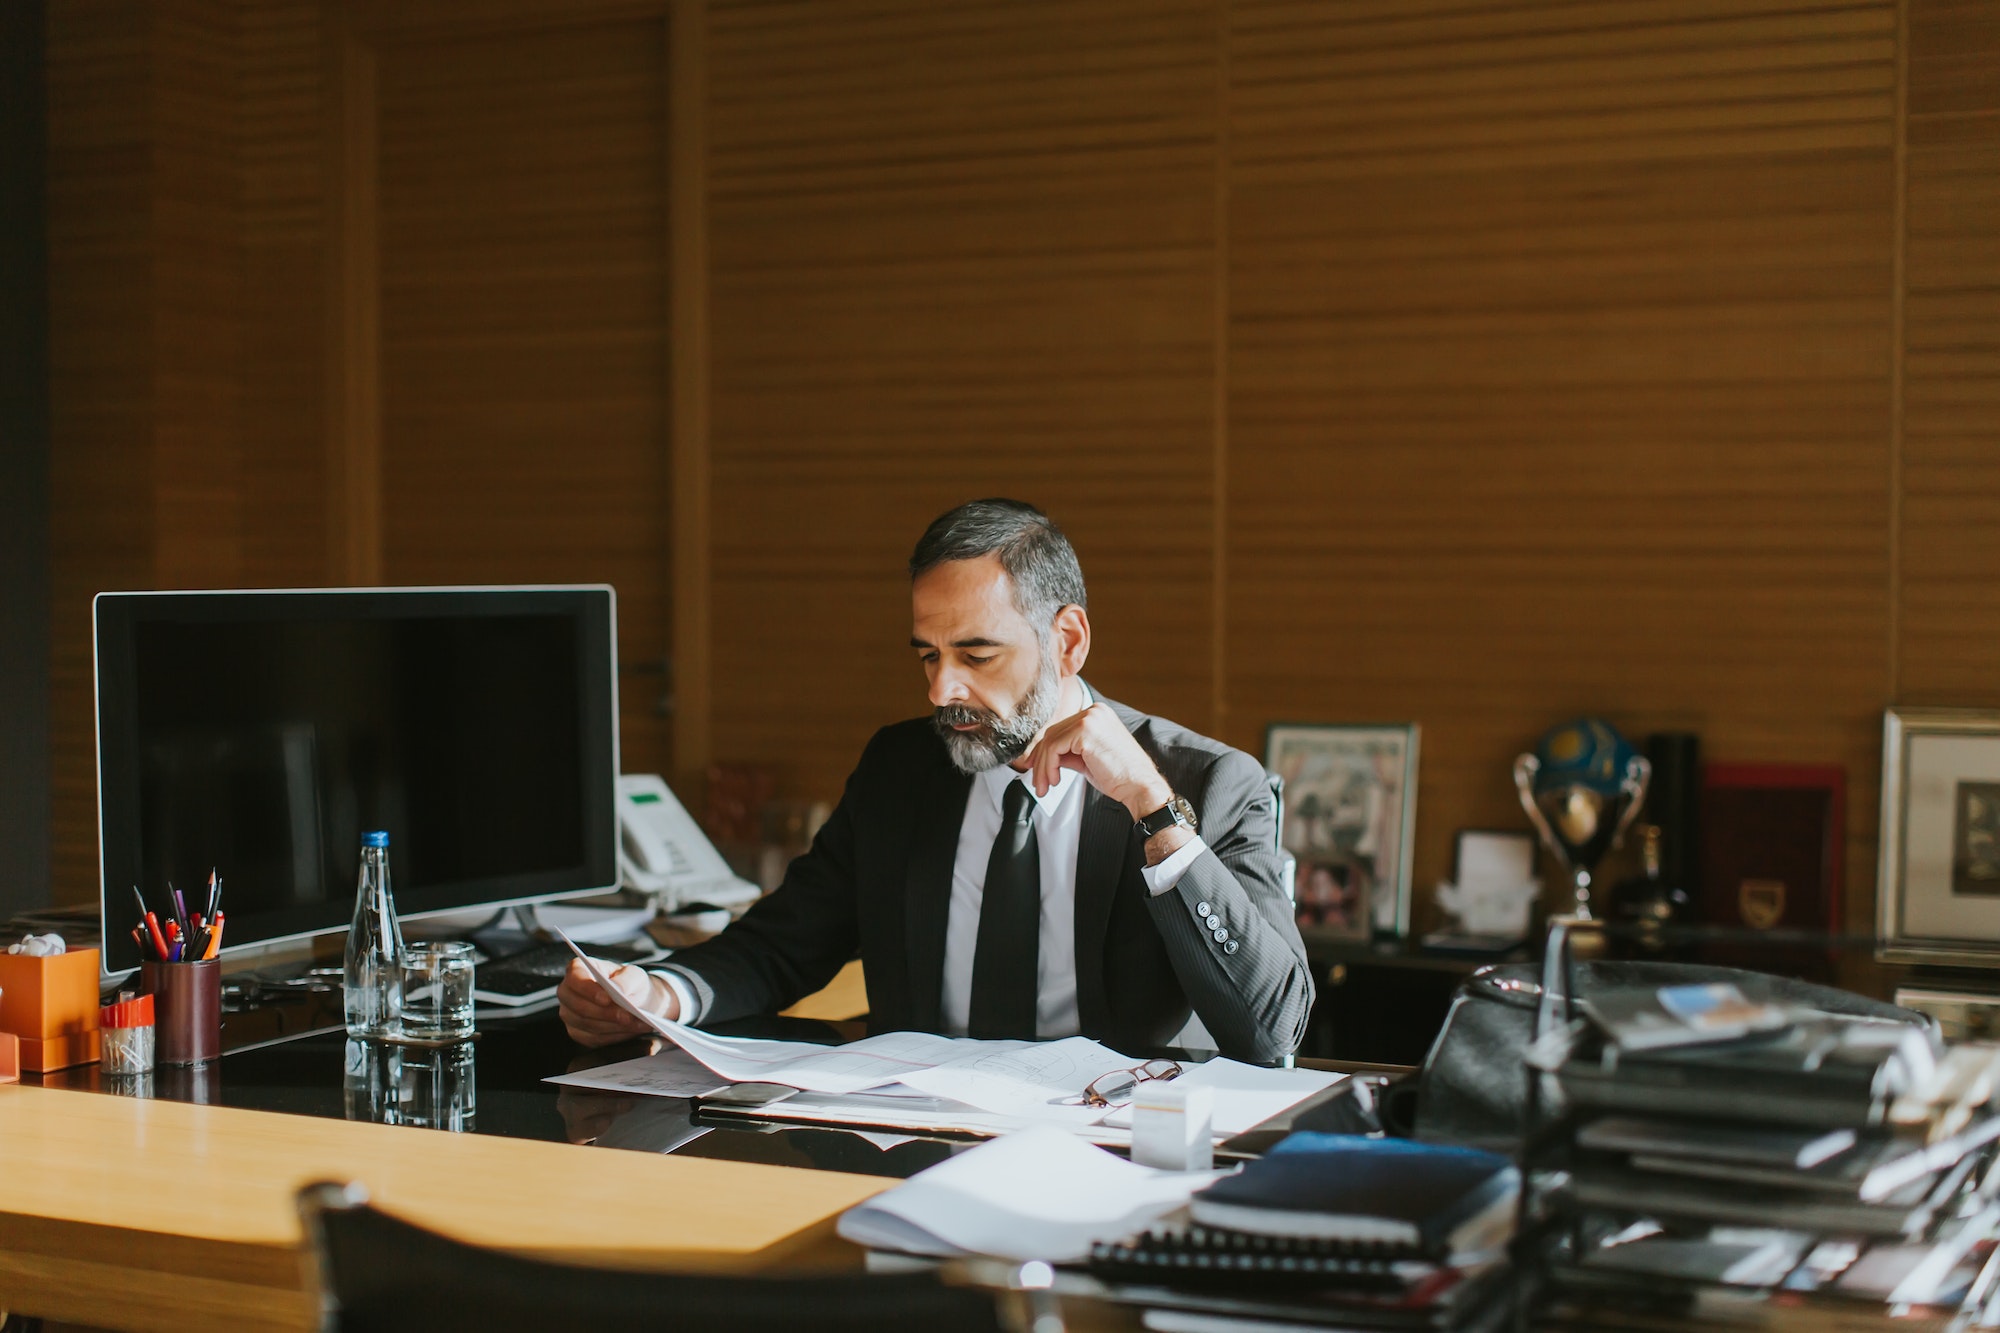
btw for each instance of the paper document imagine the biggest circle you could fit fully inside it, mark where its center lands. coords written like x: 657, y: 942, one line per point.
x: 981, y: 1086
x: 1032, y: 1080
x: 668, y: 1072
x: 871, y: 1062
x: 1036, y: 1194
x: 1245, y: 1095
x: 926, y: 1116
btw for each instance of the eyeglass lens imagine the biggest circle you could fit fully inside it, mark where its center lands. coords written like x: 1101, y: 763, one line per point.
x: 1120, y: 1082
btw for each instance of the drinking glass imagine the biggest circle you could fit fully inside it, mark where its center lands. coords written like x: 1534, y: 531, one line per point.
x: 437, y: 990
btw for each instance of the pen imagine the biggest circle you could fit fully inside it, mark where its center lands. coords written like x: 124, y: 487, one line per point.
x: 214, y: 937
x: 159, y: 940
x: 180, y: 908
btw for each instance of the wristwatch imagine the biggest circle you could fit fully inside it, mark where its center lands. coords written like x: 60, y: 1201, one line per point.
x: 1175, y: 811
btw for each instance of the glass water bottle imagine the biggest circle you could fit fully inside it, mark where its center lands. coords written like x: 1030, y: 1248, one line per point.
x: 374, y: 980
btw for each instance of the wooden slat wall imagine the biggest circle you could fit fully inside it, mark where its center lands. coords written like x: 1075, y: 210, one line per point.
x: 1950, y: 574
x: 194, y: 216
x: 147, y: 488
x: 1477, y: 363
x: 282, y: 352
x: 101, y: 391
x: 1559, y: 368
x: 523, y: 249
x: 956, y: 251
x: 1557, y: 344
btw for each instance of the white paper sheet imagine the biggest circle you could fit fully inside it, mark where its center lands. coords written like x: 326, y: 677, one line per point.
x: 937, y: 1116
x: 1245, y: 1095
x: 1037, y: 1194
x: 868, y: 1063
x: 1031, y: 1081
x: 667, y: 1072
x: 1024, y: 1082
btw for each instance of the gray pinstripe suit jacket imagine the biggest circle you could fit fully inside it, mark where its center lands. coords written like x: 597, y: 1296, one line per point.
x: 877, y: 883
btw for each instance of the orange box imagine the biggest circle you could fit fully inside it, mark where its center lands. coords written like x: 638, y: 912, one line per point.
x: 10, y: 1058
x: 51, y: 1005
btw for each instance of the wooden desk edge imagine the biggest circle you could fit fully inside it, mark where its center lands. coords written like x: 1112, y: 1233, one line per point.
x: 106, y: 1272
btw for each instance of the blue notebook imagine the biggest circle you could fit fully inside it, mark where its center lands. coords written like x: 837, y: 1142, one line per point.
x: 1430, y: 1198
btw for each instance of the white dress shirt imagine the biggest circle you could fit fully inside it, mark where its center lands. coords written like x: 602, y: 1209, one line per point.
x: 1058, y: 832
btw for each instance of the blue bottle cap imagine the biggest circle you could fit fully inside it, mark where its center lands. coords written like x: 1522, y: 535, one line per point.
x: 377, y: 839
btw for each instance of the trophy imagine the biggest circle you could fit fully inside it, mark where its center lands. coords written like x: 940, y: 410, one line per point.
x: 1582, y: 788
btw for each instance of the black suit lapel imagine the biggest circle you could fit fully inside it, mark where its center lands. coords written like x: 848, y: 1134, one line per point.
x: 1103, y: 857
x: 927, y: 888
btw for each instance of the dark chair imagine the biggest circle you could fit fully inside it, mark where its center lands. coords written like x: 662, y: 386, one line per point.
x: 1288, y: 865
x: 374, y: 1273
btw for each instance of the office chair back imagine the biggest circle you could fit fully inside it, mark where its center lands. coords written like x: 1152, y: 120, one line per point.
x: 374, y: 1273
x: 1288, y: 865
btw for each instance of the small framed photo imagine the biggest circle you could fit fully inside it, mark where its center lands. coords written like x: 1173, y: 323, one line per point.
x: 1494, y: 856
x: 1938, y: 895
x: 1350, y: 818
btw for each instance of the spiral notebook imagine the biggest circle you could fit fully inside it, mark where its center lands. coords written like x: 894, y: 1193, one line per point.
x: 1204, y: 1256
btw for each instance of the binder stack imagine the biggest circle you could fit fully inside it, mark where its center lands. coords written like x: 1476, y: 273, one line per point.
x: 1696, y: 1142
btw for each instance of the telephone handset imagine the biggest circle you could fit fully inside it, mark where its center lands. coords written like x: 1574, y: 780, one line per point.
x: 662, y: 851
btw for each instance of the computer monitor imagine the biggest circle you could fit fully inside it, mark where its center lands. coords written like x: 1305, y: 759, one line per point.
x: 262, y: 733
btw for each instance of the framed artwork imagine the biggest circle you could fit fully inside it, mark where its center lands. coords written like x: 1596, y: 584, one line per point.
x: 1350, y: 818
x: 1960, y: 1015
x: 1938, y: 882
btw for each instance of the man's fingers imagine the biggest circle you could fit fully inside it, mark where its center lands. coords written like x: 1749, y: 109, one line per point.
x: 588, y: 996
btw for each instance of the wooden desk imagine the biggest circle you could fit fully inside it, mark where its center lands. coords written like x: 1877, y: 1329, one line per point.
x: 148, y: 1215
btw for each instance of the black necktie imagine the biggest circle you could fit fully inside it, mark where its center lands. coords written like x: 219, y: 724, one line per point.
x: 1006, y: 963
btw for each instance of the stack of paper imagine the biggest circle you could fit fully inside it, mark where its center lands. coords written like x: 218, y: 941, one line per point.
x: 1037, y: 1194
x: 920, y: 1081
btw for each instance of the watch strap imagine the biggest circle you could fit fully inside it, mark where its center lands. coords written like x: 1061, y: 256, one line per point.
x: 1175, y: 811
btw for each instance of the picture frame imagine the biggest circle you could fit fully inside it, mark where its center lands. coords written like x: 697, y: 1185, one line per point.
x: 1938, y: 876
x: 1350, y: 820
x: 1485, y: 852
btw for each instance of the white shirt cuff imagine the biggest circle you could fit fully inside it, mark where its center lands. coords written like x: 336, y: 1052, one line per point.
x: 1163, y: 877
x: 683, y: 997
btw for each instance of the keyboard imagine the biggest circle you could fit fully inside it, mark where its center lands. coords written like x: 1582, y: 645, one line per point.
x: 532, y: 975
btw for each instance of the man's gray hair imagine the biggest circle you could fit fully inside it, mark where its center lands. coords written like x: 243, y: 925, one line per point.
x: 1033, y: 551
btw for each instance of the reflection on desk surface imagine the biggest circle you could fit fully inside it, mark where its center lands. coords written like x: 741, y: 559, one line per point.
x: 490, y: 1086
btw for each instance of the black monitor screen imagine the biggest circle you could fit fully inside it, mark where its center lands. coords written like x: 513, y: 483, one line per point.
x: 261, y: 734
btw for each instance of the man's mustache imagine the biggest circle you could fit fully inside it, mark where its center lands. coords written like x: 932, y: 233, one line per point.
x: 965, y: 715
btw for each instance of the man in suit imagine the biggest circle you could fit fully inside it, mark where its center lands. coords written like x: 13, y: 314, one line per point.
x: 1032, y: 860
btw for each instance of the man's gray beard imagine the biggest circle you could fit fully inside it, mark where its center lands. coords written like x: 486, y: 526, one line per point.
x: 1004, y: 740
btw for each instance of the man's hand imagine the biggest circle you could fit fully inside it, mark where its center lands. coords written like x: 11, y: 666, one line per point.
x: 594, y: 1019
x: 1095, y: 743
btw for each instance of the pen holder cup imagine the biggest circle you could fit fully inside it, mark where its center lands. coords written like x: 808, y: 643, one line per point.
x: 187, y: 1002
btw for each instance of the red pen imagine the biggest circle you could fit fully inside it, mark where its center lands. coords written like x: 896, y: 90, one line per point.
x: 159, y: 940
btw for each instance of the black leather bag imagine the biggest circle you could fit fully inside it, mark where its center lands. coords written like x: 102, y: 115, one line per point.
x: 1473, y: 1088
